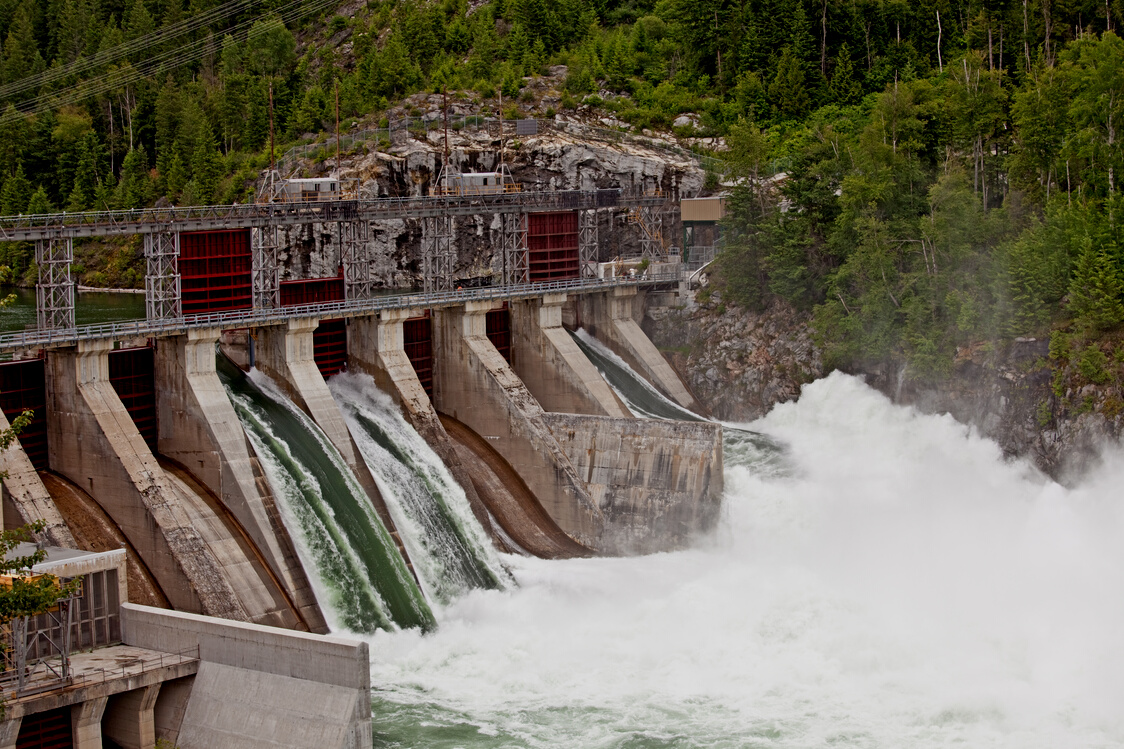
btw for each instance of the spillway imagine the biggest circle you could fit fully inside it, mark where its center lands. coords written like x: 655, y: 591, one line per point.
x: 449, y: 550
x: 361, y: 580
x: 892, y: 582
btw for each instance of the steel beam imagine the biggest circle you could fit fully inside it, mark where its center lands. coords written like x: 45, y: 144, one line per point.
x: 54, y: 294
x: 162, y: 299
x: 266, y: 287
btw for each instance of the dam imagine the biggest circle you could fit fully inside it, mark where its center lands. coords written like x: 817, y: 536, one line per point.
x: 309, y: 455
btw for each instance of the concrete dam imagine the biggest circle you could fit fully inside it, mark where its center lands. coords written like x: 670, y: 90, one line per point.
x: 364, y: 471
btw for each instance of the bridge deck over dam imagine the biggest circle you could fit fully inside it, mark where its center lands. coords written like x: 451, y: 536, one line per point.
x: 55, y: 338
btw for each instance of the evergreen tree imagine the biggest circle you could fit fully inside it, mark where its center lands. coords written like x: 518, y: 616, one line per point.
x: 40, y: 203
x: 134, y: 190
x: 1096, y: 293
x: 788, y: 92
x: 844, y: 89
x: 21, y: 51
x: 16, y: 193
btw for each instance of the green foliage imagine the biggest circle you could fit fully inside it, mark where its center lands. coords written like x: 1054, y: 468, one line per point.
x: 1093, y: 365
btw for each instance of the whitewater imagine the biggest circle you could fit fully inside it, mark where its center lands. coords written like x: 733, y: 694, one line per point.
x: 896, y: 584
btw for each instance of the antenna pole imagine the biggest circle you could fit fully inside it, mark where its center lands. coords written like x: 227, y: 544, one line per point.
x: 501, y: 137
x: 445, y: 168
x: 339, y: 171
x: 272, y: 160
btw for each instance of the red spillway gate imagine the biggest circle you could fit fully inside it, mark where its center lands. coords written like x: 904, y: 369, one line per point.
x: 552, y: 246
x: 23, y: 386
x: 417, y: 339
x: 132, y: 374
x: 498, y: 324
x: 215, y: 271
x: 329, y: 341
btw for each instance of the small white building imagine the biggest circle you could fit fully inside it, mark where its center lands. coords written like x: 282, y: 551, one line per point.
x: 310, y: 190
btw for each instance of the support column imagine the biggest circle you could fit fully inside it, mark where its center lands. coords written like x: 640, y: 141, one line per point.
x: 96, y: 445
x: 588, y: 244
x: 516, y: 267
x: 652, y: 244
x: 266, y: 287
x: 54, y: 294
x: 162, y: 280
x: 438, y: 253
x: 552, y: 365
x: 200, y: 430
x: 354, y: 246
x: 128, y: 719
x: 85, y: 723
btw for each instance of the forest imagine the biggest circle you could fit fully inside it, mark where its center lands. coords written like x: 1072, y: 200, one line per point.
x: 923, y: 176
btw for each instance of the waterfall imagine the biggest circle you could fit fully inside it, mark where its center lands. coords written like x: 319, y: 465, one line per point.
x: 448, y: 548
x: 360, y: 578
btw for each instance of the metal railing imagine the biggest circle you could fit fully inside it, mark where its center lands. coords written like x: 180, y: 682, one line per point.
x: 657, y: 273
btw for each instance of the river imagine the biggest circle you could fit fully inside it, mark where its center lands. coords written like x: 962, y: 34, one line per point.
x: 893, y: 582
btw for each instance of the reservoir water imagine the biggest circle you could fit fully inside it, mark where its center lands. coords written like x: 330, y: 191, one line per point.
x: 90, y: 307
x: 892, y: 582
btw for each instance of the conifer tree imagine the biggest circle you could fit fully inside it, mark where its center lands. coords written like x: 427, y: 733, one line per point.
x: 15, y: 194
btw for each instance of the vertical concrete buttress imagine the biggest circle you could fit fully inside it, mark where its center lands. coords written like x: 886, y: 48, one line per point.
x: 200, y: 429
x: 552, y: 366
x: 474, y: 384
x: 26, y: 499
x: 95, y: 444
x: 609, y: 317
x: 376, y: 346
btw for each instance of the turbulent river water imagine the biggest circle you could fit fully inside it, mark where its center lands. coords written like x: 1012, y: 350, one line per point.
x: 893, y: 582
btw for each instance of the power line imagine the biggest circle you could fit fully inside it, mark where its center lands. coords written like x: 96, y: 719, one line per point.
x: 167, y: 61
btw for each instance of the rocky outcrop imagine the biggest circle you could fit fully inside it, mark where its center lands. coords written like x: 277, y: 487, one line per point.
x: 738, y: 363
x: 1057, y: 413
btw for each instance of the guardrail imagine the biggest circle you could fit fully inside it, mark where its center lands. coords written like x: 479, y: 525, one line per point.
x: 189, y: 218
x: 352, y: 308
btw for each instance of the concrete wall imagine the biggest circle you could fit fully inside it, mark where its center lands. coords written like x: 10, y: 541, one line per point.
x: 474, y: 384
x: 375, y: 346
x: 200, y: 430
x: 26, y: 500
x: 611, y: 317
x: 95, y: 444
x: 658, y: 483
x: 552, y: 366
x: 259, y: 686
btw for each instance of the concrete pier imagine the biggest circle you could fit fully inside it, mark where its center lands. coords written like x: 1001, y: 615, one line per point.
x: 199, y: 428
x: 376, y: 347
x: 474, y: 384
x: 554, y: 369
x: 611, y: 317
x: 95, y: 444
x: 26, y: 499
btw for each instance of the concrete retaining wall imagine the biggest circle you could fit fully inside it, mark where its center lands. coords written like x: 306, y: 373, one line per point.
x: 200, y: 429
x: 658, y: 483
x: 552, y: 366
x: 260, y: 686
x: 474, y: 384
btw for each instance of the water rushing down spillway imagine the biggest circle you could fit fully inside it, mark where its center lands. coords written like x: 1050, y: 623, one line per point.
x: 893, y: 582
x: 448, y: 548
x: 361, y: 580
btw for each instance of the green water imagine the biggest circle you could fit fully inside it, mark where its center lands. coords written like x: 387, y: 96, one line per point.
x: 345, y: 547
x: 90, y: 308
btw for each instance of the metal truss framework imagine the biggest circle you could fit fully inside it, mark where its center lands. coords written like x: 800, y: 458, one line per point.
x: 264, y: 278
x: 650, y: 220
x: 588, y: 245
x: 354, y: 256
x: 515, y: 261
x: 55, y: 291
x: 438, y: 253
x: 162, y: 280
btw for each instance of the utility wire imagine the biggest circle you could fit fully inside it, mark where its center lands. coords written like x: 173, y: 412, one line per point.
x: 167, y: 61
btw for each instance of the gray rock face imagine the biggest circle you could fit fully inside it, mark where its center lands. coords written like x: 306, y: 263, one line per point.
x: 555, y: 159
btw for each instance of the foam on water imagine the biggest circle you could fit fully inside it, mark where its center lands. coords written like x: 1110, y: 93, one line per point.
x: 901, y: 585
